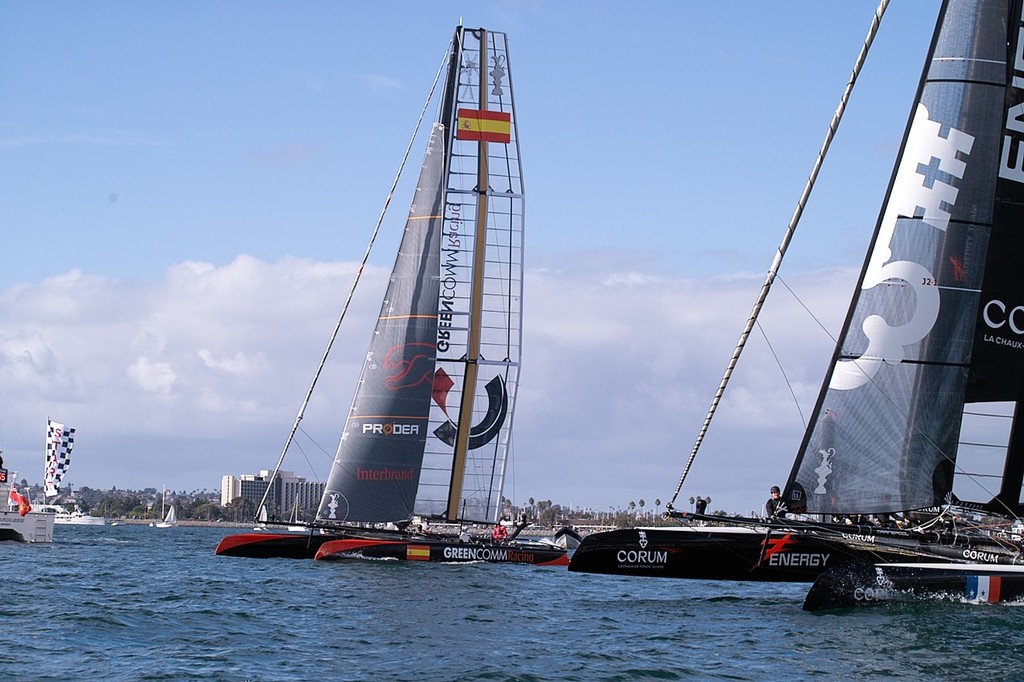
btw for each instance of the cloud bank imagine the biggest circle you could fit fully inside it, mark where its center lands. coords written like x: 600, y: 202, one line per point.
x: 180, y: 380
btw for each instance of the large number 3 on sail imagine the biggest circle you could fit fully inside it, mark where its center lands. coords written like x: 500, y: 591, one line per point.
x: 429, y: 429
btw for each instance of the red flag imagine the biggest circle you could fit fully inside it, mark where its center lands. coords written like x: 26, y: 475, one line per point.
x: 16, y: 498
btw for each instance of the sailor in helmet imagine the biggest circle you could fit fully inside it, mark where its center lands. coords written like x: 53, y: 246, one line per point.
x: 775, y: 507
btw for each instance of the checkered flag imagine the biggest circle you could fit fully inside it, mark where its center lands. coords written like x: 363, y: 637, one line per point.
x: 59, y: 441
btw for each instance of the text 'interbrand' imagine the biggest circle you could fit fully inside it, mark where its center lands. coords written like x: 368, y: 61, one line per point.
x: 384, y: 474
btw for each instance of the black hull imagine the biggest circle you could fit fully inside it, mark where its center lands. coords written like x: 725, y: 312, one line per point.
x: 779, y: 553
x: 420, y: 548
x: 873, y: 585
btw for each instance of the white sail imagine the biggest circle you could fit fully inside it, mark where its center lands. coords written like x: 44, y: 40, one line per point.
x: 170, y: 520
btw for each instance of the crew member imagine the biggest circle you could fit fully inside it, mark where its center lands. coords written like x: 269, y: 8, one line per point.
x: 775, y: 507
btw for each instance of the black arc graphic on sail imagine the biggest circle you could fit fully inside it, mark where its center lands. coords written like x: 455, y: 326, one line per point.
x: 488, y: 427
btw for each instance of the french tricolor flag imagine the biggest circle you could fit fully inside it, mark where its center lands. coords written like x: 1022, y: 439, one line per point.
x: 983, y: 588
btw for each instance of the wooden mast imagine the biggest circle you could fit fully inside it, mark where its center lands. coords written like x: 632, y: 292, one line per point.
x: 476, y: 294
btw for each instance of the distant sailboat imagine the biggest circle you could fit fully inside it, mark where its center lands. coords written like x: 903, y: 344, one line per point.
x: 170, y: 520
x: 171, y: 517
x: 429, y: 430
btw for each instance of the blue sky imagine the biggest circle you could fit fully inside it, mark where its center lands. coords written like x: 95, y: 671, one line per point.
x: 187, y: 186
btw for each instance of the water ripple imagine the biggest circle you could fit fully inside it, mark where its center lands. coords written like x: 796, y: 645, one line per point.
x: 134, y: 603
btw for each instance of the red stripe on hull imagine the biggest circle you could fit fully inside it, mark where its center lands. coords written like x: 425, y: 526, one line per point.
x: 441, y: 551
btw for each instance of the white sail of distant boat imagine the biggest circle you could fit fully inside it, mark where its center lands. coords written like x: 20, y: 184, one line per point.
x: 170, y: 520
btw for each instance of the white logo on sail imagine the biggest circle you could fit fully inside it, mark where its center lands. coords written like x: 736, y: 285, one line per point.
x: 643, y: 540
x: 921, y: 190
x: 1011, y: 166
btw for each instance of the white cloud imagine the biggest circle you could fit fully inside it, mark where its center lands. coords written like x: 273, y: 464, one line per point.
x: 181, y: 380
x: 239, y: 363
x: 155, y: 377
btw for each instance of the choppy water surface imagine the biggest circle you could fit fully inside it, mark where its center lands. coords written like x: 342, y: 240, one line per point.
x: 137, y: 603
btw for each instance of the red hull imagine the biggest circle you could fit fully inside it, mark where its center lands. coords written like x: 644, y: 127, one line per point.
x: 449, y: 552
x: 272, y: 545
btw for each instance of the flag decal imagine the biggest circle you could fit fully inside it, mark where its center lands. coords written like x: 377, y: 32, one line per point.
x: 417, y: 553
x: 484, y: 125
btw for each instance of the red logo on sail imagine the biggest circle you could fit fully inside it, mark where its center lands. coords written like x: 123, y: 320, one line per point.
x: 410, y: 365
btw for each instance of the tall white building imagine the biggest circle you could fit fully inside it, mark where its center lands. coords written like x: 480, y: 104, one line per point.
x: 288, y: 493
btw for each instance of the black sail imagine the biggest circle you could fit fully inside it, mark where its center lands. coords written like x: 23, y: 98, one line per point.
x: 883, y: 436
x: 997, y: 361
x: 376, y: 469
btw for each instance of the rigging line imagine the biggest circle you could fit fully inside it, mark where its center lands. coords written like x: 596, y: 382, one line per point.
x: 782, y: 370
x: 790, y: 229
x: 355, y: 281
x: 305, y: 456
x: 988, y: 414
x: 982, y: 445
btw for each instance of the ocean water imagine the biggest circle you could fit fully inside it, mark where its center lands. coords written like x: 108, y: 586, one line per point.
x: 137, y: 603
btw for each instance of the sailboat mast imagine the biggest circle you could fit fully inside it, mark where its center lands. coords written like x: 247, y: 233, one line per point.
x: 762, y: 296
x: 475, y: 306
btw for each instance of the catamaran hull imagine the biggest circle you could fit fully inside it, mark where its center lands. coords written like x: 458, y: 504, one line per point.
x: 32, y: 527
x: 877, y: 584
x: 272, y: 545
x: 702, y: 553
x: 777, y: 554
x: 447, y: 552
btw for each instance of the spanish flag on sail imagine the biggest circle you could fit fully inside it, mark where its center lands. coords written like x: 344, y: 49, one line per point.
x: 484, y: 125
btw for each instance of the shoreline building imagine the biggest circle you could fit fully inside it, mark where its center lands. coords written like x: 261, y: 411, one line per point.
x: 288, y: 493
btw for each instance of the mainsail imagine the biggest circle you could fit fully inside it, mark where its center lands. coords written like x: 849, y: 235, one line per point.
x: 932, y: 323
x: 59, y: 442
x: 429, y: 428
